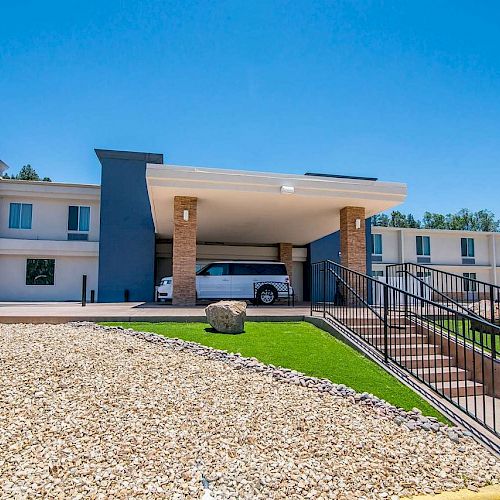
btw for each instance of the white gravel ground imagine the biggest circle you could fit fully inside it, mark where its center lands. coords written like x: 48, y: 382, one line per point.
x: 93, y: 413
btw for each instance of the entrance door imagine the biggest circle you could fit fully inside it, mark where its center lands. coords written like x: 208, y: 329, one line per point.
x: 214, y: 282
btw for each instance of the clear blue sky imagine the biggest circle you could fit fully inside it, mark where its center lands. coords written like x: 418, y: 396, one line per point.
x: 404, y: 91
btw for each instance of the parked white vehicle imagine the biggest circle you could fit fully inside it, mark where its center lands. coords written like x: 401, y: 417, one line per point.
x: 251, y: 280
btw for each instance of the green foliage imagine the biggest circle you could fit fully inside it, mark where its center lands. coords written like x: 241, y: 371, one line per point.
x: 463, y: 220
x: 381, y: 220
x: 299, y: 346
x: 27, y: 173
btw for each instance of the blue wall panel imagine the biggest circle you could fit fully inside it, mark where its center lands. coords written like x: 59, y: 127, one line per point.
x: 127, y: 236
x: 328, y: 248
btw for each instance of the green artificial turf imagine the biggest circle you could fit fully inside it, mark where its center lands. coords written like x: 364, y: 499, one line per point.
x: 463, y: 329
x: 302, y: 347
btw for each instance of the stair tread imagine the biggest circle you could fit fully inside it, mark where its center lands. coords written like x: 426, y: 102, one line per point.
x: 440, y: 369
x: 419, y: 357
x: 458, y: 383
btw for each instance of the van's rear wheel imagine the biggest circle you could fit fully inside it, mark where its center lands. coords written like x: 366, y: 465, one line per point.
x: 267, y: 295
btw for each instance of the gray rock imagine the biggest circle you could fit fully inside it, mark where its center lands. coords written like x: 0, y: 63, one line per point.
x: 227, y: 316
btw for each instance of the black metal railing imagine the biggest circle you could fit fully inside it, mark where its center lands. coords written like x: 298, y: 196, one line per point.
x: 467, y: 293
x: 445, y: 347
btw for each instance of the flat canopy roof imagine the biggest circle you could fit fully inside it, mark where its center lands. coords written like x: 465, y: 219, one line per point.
x: 236, y: 206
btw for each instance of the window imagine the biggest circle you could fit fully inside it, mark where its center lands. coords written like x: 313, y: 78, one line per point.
x: 377, y: 274
x: 255, y: 269
x: 78, y: 218
x: 423, y: 245
x: 423, y: 274
x: 376, y: 244
x: 467, y: 247
x: 20, y: 215
x: 40, y: 271
x: 215, y: 270
x: 469, y: 285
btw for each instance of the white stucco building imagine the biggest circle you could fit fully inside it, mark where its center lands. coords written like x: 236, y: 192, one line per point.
x: 49, y: 238
x: 470, y: 254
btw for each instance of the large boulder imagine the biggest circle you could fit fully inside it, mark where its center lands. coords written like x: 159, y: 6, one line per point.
x: 227, y: 316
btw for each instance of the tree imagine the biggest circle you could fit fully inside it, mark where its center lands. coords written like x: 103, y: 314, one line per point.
x: 463, y: 220
x: 28, y: 173
x: 380, y: 220
x: 434, y: 221
x: 398, y: 219
x: 412, y: 222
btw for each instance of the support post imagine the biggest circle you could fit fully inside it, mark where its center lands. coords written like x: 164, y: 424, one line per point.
x: 84, y: 290
x: 184, y: 251
x: 386, y: 307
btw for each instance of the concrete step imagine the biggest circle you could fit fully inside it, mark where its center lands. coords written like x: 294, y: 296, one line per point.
x: 409, y: 349
x: 418, y: 362
x: 460, y: 388
x: 441, y: 374
x: 398, y: 339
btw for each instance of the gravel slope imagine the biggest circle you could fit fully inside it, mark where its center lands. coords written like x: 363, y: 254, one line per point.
x: 98, y: 413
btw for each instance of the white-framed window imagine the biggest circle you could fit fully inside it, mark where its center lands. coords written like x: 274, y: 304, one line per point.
x: 376, y: 244
x: 467, y: 247
x: 377, y: 274
x: 423, y: 244
x: 78, y: 218
x: 20, y: 215
x: 469, y: 284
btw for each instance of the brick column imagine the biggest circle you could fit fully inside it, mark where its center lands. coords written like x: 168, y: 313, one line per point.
x: 285, y: 256
x: 353, y: 251
x: 352, y: 240
x: 184, y: 251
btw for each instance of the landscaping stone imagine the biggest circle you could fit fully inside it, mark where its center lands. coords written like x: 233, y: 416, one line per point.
x: 126, y: 414
x: 227, y: 316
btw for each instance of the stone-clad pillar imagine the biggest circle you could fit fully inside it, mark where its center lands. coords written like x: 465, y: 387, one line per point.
x: 184, y: 251
x: 285, y: 256
x: 353, y: 253
x: 353, y: 238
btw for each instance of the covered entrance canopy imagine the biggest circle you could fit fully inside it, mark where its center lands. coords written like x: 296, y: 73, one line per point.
x: 247, y: 207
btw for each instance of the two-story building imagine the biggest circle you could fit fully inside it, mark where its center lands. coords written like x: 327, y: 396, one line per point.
x: 49, y: 238
x: 470, y: 254
x: 149, y: 219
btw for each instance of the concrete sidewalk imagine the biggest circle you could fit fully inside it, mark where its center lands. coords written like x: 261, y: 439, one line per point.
x: 62, y: 312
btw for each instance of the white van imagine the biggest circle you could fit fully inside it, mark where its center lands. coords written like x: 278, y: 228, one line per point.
x: 264, y: 282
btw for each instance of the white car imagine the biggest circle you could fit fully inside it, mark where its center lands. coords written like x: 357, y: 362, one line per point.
x: 264, y: 282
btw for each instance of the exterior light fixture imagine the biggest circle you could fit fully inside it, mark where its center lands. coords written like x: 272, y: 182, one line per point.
x: 287, y: 190
x: 358, y: 223
x: 185, y: 215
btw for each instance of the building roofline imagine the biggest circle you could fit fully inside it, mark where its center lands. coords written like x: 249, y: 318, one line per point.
x: 20, y: 182
x: 435, y: 231
x: 155, y: 158
x: 320, y: 180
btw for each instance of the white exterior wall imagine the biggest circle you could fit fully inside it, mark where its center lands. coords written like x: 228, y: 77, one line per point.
x: 67, y: 279
x: 47, y: 239
x: 399, y: 246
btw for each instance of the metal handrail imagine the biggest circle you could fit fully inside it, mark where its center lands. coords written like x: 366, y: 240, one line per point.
x: 448, y: 299
x: 436, y: 343
x: 417, y: 297
x: 455, y: 276
x: 367, y: 304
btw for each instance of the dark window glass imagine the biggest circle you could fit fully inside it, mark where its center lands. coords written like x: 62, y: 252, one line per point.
x: 40, y: 271
x: 73, y: 219
x: 423, y: 245
x: 470, y: 286
x: 215, y: 270
x: 255, y: 269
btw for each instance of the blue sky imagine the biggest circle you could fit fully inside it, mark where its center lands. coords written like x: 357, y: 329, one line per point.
x: 404, y: 91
